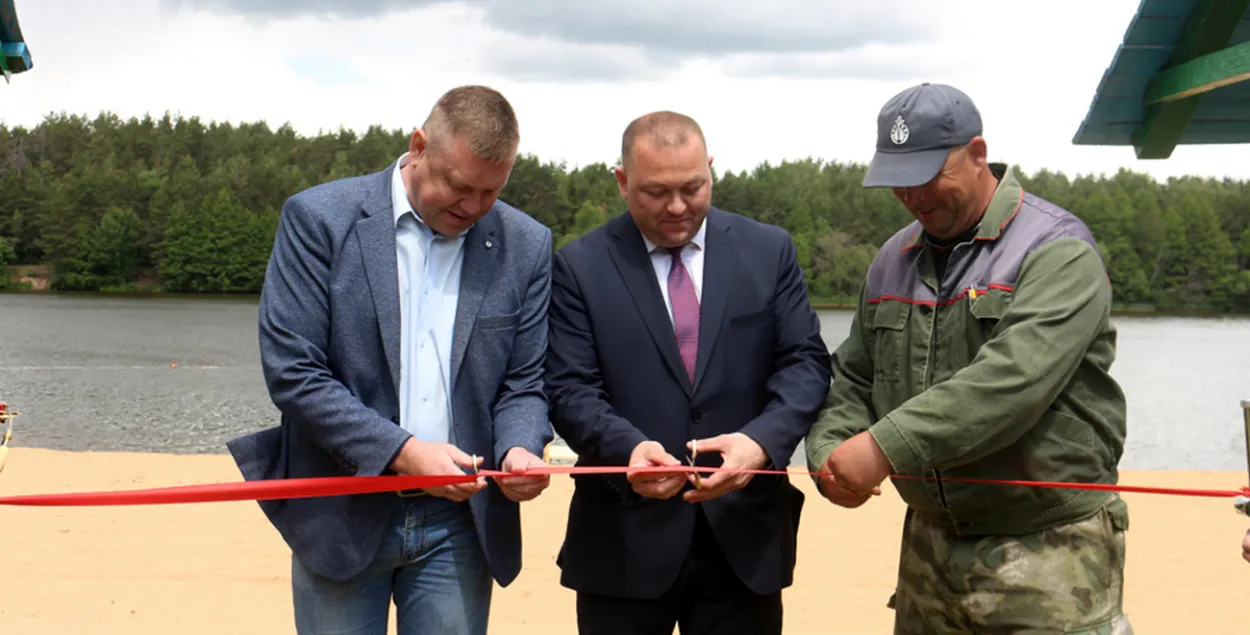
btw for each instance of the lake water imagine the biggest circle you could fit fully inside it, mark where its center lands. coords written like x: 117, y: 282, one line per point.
x: 92, y: 372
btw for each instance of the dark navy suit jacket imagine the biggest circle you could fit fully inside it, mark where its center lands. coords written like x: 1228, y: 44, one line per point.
x: 615, y: 378
x: 329, y: 342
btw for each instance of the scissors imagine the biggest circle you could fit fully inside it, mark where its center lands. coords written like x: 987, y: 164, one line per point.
x: 694, y: 454
x: 6, y: 418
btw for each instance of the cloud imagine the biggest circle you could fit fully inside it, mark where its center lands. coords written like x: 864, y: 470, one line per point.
x: 717, y: 27
x: 693, y: 27
x: 324, y: 69
x: 269, y: 9
x: 874, y: 62
x: 579, y: 40
x: 548, y: 60
x: 222, y: 65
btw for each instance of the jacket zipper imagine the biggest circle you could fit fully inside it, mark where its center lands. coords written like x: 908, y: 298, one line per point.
x: 932, y: 360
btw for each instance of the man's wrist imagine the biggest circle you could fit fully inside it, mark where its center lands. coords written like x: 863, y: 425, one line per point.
x: 508, y: 454
x: 397, y: 463
x: 763, y: 460
x: 640, y: 444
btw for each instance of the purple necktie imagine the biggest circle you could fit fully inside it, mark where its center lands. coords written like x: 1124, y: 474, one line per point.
x: 685, y: 311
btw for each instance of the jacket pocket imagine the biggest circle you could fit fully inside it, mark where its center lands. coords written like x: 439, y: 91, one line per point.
x: 749, y: 320
x: 987, y: 310
x: 979, y: 324
x: 496, y: 322
x: 1057, y: 448
x: 889, y: 332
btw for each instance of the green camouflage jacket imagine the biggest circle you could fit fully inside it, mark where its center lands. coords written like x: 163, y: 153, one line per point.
x: 999, y: 372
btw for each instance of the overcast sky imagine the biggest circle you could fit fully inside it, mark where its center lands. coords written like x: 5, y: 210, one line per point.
x: 769, y: 81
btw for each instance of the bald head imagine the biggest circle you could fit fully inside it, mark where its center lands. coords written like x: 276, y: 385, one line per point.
x: 481, y: 117
x: 663, y: 130
x: 665, y: 177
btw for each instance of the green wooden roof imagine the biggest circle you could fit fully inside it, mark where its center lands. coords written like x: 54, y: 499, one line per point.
x: 14, y: 56
x: 1178, y: 77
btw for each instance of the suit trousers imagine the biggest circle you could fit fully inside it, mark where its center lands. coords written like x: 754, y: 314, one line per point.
x: 430, y: 562
x: 708, y: 598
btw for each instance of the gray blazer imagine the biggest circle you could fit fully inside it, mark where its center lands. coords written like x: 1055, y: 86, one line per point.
x: 329, y: 343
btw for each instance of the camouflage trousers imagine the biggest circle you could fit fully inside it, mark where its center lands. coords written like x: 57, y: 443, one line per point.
x: 1064, y: 580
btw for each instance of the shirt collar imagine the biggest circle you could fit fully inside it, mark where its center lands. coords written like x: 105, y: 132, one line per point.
x: 696, y: 242
x: 1004, y: 204
x: 399, y: 192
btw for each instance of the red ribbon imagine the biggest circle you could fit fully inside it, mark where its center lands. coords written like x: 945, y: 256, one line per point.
x: 339, y: 486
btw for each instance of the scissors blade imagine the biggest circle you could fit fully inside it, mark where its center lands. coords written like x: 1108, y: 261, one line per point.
x: 690, y: 458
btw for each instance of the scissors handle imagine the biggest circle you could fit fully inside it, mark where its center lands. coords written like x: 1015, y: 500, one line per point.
x: 694, y: 454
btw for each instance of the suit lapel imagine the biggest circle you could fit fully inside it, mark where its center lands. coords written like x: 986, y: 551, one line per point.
x: 376, y: 234
x: 629, y: 254
x: 475, y: 277
x: 719, y: 263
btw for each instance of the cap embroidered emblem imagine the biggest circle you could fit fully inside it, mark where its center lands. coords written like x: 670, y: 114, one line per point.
x: 899, y: 132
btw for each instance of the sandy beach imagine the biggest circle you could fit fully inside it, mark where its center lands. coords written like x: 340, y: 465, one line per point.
x: 220, y: 568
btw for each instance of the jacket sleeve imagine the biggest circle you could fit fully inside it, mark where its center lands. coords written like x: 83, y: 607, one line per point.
x: 580, y: 412
x: 848, y: 407
x: 800, y: 377
x: 294, y: 320
x: 1061, y: 301
x: 520, y: 416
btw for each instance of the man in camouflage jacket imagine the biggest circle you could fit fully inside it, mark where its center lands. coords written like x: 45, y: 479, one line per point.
x: 981, y: 349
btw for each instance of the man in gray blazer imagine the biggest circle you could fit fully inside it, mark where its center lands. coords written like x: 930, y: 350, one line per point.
x: 403, y: 328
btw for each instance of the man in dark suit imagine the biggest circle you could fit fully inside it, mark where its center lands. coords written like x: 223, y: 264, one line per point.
x: 403, y: 325
x: 674, y: 328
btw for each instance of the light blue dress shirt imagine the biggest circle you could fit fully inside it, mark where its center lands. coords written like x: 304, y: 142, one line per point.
x: 429, y: 290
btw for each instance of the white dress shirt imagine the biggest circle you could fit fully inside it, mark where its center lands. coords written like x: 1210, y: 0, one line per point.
x: 429, y: 290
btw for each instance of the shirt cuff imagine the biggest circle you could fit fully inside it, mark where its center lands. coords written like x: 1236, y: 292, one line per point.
x: 903, y: 458
x: 817, y: 455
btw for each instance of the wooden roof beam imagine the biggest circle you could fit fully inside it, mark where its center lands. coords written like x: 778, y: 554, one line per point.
x: 1201, y: 75
x: 1209, y: 28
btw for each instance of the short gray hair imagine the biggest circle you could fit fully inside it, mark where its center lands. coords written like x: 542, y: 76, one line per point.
x: 480, y: 115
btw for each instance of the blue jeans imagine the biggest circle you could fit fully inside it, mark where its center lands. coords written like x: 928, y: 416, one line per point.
x: 430, y: 562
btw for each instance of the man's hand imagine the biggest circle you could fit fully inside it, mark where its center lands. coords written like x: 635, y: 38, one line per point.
x: 1245, y: 547
x: 738, y: 452
x: 840, y: 496
x: 858, y: 465
x: 522, y: 488
x: 652, y: 484
x: 418, y: 458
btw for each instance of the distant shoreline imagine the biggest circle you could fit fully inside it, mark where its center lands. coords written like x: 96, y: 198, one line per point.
x: 34, y: 279
x: 818, y: 304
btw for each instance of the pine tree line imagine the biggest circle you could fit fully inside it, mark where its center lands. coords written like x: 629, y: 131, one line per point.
x: 183, y: 205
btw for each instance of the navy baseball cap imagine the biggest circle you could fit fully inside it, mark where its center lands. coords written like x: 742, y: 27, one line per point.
x: 916, y: 130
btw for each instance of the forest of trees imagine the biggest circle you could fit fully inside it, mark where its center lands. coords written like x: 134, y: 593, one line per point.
x: 180, y: 205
